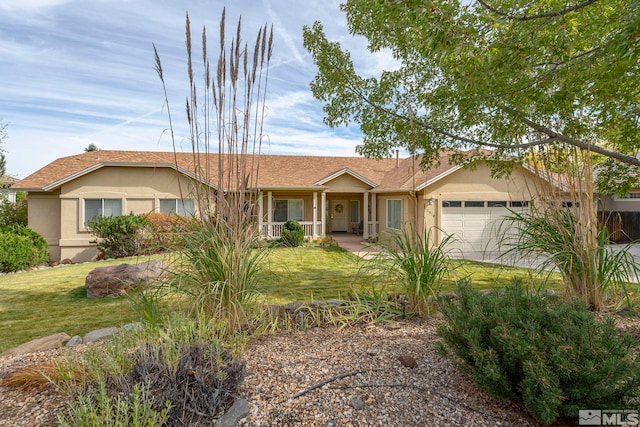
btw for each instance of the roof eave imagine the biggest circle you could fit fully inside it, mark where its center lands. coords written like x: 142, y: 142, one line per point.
x: 100, y: 165
x: 347, y: 171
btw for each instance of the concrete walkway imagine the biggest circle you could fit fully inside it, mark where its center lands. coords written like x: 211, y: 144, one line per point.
x: 356, y: 244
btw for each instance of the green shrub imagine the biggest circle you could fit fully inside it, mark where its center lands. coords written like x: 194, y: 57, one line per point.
x: 166, y: 231
x: 292, y: 233
x: 101, y: 409
x: 556, y: 236
x: 413, y: 261
x: 119, y: 236
x: 21, y: 248
x: 177, y: 373
x: 220, y: 269
x: 13, y: 213
x: 552, y: 355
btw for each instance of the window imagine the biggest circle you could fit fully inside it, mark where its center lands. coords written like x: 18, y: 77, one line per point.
x: 492, y: 204
x: 519, y: 204
x: 473, y: 204
x: 451, y: 204
x: 394, y: 213
x: 101, y: 207
x: 634, y: 195
x: 631, y: 197
x: 177, y: 206
x: 289, y: 209
x: 355, y: 211
x: 10, y: 195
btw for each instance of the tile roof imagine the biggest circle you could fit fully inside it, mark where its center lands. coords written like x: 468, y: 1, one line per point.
x: 275, y: 171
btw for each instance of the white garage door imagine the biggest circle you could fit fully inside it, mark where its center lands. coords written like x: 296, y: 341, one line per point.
x: 475, y: 224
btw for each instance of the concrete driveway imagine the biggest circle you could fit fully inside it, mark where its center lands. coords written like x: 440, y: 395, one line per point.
x: 364, y: 249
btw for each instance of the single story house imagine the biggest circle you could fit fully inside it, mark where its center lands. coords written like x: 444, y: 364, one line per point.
x: 325, y: 194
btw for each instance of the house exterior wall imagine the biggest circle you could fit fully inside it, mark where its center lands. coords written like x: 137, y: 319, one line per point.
x: 407, y: 211
x: 139, y: 189
x: 307, y: 200
x: 44, y: 217
x: 609, y: 203
x: 346, y: 183
x: 476, y: 184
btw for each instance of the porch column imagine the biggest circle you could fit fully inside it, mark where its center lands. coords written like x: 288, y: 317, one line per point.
x: 260, y: 212
x: 314, y: 232
x: 374, y: 215
x: 269, y: 213
x: 323, y: 219
x: 365, y: 216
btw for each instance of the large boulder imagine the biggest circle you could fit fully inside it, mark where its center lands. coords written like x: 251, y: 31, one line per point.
x: 117, y: 280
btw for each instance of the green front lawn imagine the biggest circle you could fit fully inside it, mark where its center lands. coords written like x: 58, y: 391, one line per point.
x: 39, y: 303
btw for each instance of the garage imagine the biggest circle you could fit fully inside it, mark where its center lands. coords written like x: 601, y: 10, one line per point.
x: 475, y: 223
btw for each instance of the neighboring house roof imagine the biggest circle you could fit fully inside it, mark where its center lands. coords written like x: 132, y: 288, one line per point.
x: 275, y: 171
x: 7, y: 181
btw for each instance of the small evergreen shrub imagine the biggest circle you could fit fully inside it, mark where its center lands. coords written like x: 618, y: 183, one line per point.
x: 292, y: 233
x: 120, y: 236
x: 21, y: 248
x: 552, y: 355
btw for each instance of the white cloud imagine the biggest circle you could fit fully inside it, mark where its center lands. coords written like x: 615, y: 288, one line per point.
x: 77, y: 72
x: 12, y: 5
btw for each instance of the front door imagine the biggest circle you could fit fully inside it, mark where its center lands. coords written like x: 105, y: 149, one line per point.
x: 338, y: 215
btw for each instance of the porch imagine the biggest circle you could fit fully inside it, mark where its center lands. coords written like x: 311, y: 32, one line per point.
x: 273, y: 230
x: 319, y: 212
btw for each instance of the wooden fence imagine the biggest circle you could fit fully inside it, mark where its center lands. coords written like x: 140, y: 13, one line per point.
x: 622, y: 226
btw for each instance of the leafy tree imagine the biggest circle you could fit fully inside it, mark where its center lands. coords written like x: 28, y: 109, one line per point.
x: 91, y: 147
x: 504, y: 75
x: 3, y: 137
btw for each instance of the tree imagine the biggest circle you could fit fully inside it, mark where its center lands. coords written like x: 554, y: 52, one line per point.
x: 3, y: 137
x: 91, y: 147
x: 503, y: 75
x: 498, y: 78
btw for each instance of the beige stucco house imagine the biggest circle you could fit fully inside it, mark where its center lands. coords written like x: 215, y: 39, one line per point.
x: 325, y: 194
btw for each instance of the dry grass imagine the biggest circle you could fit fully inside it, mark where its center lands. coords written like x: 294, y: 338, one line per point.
x: 32, y: 378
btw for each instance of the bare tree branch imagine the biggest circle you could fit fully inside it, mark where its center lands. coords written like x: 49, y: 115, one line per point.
x: 574, y: 141
x: 537, y: 16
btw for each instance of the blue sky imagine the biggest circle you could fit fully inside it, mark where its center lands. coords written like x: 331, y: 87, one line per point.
x: 75, y: 72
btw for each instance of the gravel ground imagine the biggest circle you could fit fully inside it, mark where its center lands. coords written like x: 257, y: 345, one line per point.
x: 378, y: 391
x: 375, y: 389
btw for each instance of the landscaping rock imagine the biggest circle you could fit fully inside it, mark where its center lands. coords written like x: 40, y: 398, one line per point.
x: 74, y: 341
x: 99, y: 334
x: 238, y: 410
x: 335, y: 302
x: 39, y: 344
x: 408, y: 361
x: 293, y: 306
x: 357, y: 403
x: 117, y: 280
x: 317, y: 304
